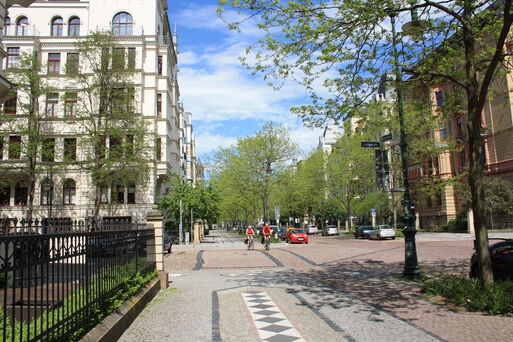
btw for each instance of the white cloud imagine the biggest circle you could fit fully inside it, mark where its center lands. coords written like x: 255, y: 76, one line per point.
x: 207, y: 143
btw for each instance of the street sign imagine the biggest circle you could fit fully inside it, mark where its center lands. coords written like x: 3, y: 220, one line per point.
x: 277, y: 213
x: 373, y: 211
x: 370, y: 144
x: 386, y: 137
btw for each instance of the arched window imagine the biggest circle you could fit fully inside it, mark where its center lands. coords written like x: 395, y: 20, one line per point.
x: 5, y: 194
x: 130, y: 198
x: 21, y: 193
x: 47, y: 192
x: 57, y: 27
x: 117, y: 192
x: 7, y: 26
x: 69, y: 192
x: 104, y: 193
x: 74, y: 27
x: 122, y: 24
x: 22, y: 26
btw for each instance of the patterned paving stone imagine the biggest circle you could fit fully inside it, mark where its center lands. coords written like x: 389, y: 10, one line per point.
x: 274, y: 326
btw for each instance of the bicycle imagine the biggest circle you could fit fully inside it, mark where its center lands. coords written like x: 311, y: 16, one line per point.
x: 267, y: 242
x: 251, y: 243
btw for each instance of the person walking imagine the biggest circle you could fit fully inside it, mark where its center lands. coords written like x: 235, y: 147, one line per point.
x: 250, y: 233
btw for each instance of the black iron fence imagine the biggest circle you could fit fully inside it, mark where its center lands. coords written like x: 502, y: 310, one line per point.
x: 57, y: 275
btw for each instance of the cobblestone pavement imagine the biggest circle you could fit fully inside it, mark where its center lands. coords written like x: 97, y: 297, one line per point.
x: 330, y: 290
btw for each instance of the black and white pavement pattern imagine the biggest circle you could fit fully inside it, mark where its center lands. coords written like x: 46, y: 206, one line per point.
x: 271, y: 323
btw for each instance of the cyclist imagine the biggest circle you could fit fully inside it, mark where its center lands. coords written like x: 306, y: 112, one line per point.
x: 249, y: 235
x: 266, y: 232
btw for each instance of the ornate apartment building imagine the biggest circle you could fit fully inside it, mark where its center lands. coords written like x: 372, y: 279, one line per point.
x: 141, y: 28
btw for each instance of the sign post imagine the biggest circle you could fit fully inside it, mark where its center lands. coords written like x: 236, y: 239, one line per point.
x: 373, y: 216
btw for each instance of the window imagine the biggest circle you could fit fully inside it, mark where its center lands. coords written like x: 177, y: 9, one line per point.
x: 1, y: 148
x: 10, y: 104
x: 443, y: 132
x: 131, y: 58
x: 118, y: 192
x: 13, y: 55
x: 69, y: 191
x: 74, y: 27
x: 439, y: 199
x: 21, y: 193
x: 115, y: 147
x: 459, y: 126
x: 118, y: 58
x: 122, y: 24
x: 159, y: 105
x: 22, y: 26
x: 131, y: 193
x: 72, y: 63
x: 54, y: 63
x: 70, y: 104
x: 46, y: 192
x: 463, y: 158
x: 48, y: 150
x: 104, y: 193
x: 436, y: 166
x: 52, y: 100
x: 159, y: 65
x: 15, y: 147
x: 439, y: 98
x: 56, y: 29
x: 158, y: 149
x: 70, y: 149
x: 429, y: 202
x: 101, y: 147
x: 5, y: 195
x: 129, y: 145
x: 7, y: 26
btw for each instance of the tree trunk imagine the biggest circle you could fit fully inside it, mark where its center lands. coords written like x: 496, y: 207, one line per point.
x: 476, y: 151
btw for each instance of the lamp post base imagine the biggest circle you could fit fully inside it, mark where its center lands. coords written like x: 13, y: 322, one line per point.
x: 411, y: 265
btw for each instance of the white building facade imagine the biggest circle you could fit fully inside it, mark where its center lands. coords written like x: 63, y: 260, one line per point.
x: 141, y: 27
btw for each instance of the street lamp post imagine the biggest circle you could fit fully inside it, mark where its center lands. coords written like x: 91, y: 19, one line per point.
x: 411, y: 265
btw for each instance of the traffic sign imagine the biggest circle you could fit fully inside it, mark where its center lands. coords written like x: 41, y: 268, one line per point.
x: 386, y: 137
x: 373, y: 211
x: 370, y: 144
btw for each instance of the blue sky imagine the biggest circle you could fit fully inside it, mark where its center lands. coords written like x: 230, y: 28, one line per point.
x: 226, y: 101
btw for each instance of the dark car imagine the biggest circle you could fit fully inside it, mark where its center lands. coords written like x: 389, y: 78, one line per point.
x: 363, y: 232
x: 501, y: 254
x: 282, y: 234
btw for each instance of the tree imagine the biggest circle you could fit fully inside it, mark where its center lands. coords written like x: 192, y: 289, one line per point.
x: 30, y: 127
x: 350, y: 171
x: 346, y: 44
x: 252, y: 166
x: 202, y: 200
x: 107, y: 115
x: 301, y: 189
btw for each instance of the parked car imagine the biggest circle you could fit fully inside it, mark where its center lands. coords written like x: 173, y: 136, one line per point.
x: 312, y: 229
x: 329, y: 230
x: 274, y: 229
x: 282, y: 234
x: 383, y: 231
x: 363, y: 232
x: 501, y: 254
x: 296, y: 235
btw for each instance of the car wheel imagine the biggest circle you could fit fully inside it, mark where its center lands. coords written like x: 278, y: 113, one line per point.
x: 393, y: 237
x: 306, y: 243
x: 378, y: 237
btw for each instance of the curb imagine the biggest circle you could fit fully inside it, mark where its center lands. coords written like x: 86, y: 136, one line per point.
x: 114, y: 325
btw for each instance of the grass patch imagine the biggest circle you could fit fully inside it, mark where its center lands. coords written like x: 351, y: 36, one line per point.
x: 498, y: 299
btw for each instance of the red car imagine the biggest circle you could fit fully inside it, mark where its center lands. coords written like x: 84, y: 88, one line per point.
x: 296, y: 235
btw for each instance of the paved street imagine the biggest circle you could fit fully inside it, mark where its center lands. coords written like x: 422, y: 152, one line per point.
x: 329, y: 290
